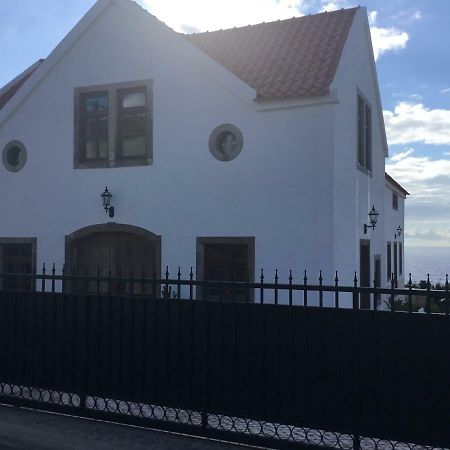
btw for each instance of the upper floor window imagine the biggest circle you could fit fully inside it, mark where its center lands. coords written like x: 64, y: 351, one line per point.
x: 394, y: 201
x: 364, y: 134
x: 113, y: 125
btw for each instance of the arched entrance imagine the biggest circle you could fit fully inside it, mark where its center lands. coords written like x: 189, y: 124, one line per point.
x: 123, y: 250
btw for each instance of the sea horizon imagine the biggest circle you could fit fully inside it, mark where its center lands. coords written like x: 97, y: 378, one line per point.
x: 421, y: 261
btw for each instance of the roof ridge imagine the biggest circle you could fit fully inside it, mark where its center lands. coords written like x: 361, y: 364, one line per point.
x: 273, y: 21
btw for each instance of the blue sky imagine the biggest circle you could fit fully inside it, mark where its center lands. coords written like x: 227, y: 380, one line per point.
x: 413, y: 60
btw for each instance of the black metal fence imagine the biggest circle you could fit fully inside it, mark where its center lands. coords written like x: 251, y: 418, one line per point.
x: 273, y: 364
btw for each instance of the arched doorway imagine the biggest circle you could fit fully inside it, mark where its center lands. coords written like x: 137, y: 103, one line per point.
x: 122, y: 250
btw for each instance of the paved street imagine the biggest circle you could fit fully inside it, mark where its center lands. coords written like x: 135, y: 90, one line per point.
x: 31, y: 430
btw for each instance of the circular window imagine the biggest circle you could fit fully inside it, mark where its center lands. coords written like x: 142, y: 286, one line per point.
x: 14, y: 156
x: 225, y: 142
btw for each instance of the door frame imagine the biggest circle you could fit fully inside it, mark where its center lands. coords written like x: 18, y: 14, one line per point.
x: 112, y: 227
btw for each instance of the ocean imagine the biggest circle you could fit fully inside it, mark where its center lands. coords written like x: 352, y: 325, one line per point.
x: 420, y: 261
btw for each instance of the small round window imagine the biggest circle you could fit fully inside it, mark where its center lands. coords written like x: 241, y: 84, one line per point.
x: 14, y: 156
x: 225, y: 142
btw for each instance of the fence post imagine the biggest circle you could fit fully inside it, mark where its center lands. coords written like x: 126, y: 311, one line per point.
x: 392, y: 293
x: 355, y: 292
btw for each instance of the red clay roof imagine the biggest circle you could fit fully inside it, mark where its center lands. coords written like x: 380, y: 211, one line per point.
x: 290, y: 58
x: 397, y: 185
x: 6, y: 96
x: 285, y: 59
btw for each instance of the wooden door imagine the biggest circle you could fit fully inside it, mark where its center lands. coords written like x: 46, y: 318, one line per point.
x: 17, y: 259
x: 364, y: 272
x: 377, y: 263
x: 122, y: 254
x: 227, y: 262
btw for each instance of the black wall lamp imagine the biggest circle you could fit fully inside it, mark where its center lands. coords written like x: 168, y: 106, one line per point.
x: 106, y: 198
x: 398, y: 232
x: 373, y: 219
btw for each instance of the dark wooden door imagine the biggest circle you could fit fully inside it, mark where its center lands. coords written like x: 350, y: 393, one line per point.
x: 377, y: 260
x: 364, y: 272
x: 227, y: 262
x: 121, y: 254
x: 17, y: 259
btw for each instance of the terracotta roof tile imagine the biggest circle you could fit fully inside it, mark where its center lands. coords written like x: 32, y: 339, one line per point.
x: 17, y: 83
x: 285, y: 59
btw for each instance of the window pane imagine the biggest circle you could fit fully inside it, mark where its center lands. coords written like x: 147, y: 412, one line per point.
x: 96, y: 149
x: 133, y: 146
x: 96, y: 127
x: 133, y: 123
x: 361, y: 127
x: 134, y: 99
x: 368, y: 137
x: 96, y: 103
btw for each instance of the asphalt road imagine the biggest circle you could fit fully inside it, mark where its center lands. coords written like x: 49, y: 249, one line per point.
x: 34, y: 430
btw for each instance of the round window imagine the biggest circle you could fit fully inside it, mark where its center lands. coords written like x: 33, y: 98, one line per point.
x: 14, y: 156
x: 225, y: 142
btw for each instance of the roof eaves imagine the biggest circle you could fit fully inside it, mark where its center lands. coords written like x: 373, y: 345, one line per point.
x: 397, y: 185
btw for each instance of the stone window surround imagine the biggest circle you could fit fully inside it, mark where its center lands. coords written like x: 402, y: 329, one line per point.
x: 200, y: 256
x: 15, y: 240
x: 9, y: 145
x: 113, y: 161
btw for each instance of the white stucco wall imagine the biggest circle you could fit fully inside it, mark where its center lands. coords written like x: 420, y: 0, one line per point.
x: 355, y: 192
x: 279, y: 189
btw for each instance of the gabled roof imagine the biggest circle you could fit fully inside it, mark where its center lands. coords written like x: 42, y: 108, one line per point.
x: 394, y: 183
x: 285, y: 59
x: 8, y: 91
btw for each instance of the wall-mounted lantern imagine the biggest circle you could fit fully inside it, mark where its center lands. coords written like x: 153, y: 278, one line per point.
x: 373, y: 219
x: 106, y: 199
x: 399, y: 231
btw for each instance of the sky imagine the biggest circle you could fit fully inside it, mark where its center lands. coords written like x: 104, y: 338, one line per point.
x: 411, y: 47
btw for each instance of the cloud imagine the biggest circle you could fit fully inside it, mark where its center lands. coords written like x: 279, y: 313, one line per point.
x: 427, y: 235
x: 402, y: 155
x: 387, y: 39
x: 445, y: 90
x: 428, y: 208
x: 211, y: 15
x: 413, y: 122
x: 373, y: 17
x: 406, y: 95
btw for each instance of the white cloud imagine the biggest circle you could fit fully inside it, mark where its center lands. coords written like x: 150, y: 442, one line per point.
x: 209, y: 15
x: 445, y: 90
x: 373, y: 17
x: 212, y: 15
x: 428, y: 207
x: 402, y: 155
x: 387, y: 39
x: 413, y: 122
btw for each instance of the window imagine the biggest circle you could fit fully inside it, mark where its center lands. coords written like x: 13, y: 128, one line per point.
x: 113, y: 125
x: 364, y: 134
x: 226, y: 142
x: 226, y: 259
x: 17, y: 256
x: 14, y: 156
x: 388, y: 261
x: 394, y: 201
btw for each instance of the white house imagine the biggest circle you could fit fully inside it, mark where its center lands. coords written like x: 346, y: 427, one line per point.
x: 230, y: 151
x: 395, y: 196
